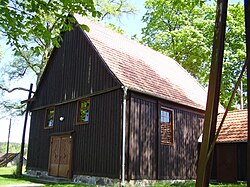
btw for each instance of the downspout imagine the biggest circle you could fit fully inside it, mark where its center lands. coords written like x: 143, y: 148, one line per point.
x: 123, y: 132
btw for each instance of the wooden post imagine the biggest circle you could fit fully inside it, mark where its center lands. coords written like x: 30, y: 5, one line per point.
x: 8, y: 142
x: 20, y: 164
x: 204, y: 163
x: 247, y: 28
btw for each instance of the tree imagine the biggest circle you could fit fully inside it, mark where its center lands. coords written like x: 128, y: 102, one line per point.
x: 114, y: 8
x: 33, y: 27
x: 184, y: 31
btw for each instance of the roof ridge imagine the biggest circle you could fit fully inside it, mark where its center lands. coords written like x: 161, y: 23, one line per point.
x: 144, y: 69
x: 236, y: 110
x: 144, y: 46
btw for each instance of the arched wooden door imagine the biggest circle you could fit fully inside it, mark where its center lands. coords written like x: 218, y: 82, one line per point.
x: 60, y: 159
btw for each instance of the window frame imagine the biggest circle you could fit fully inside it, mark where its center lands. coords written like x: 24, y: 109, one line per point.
x: 171, y: 113
x: 46, y: 126
x: 78, y: 122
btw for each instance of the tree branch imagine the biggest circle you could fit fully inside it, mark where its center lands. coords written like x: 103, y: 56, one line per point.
x: 14, y: 89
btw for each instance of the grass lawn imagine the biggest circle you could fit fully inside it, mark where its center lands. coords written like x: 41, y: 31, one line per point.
x: 192, y: 184
x: 8, y: 177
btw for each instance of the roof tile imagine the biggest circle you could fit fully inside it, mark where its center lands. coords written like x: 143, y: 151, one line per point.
x: 234, y: 127
x: 143, y: 69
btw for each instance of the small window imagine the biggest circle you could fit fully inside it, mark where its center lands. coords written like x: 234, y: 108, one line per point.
x: 83, y: 111
x: 167, y: 130
x: 49, y: 123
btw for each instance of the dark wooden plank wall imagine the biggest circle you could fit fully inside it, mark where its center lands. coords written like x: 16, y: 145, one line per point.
x: 39, y: 139
x: 226, y: 163
x: 179, y: 161
x: 142, y: 129
x: 99, y: 143
x: 240, y: 161
x: 148, y: 159
x: 96, y: 148
x: 74, y: 70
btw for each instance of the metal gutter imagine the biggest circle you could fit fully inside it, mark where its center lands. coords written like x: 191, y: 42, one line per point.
x: 125, y: 89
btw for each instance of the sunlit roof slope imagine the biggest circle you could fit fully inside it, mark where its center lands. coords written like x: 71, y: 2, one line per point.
x: 144, y: 70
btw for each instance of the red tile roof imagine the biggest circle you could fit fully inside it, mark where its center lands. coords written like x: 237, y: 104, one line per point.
x: 234, y: 127
x: 143, y: 69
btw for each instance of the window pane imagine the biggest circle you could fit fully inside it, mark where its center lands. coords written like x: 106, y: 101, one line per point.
x: 84, y: 115
x: 165, y: 116
x: 50, y: 117
x: 83, y: 111
x: 84, y: 104
x: 166, y: 127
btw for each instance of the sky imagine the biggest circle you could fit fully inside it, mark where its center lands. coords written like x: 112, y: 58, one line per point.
x: 132, y: 24
x: 16, y: 122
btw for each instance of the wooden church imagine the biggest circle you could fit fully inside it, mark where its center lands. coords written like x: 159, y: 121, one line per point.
x: 109, y: 107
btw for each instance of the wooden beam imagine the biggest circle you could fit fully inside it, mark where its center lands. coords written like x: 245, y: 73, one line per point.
x: 20, y: 164
x: 78, y: 98
x: 247, y: 29
x: 204, y: 164
x: 28, y: 100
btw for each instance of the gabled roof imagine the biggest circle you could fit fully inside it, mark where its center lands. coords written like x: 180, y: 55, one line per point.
x: 143, y: 69
x: 234, y: 128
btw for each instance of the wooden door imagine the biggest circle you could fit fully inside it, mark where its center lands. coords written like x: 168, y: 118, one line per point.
x: 54, y: 155
x: 226, y: 162
x: 60, y: 156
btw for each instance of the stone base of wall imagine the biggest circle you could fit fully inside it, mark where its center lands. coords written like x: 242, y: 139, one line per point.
x: 92, y: 180
x: 36, y: 173
x: 155, y: 182
x: 102, y: 181
x: 81, y: 179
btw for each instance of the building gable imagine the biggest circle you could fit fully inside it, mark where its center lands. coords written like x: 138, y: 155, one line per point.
x: 74, y: 70
x: 144, y: 70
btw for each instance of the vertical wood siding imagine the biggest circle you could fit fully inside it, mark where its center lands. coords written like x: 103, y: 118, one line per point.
x: 97, y: 145
x: 148, y: 159
x: 221, y: 157
x: 96, y: 148
x: 74, y: 70
x: 242, y: 161
x: 179, y: 161
x: 142, y: 138
x: 227, y: 163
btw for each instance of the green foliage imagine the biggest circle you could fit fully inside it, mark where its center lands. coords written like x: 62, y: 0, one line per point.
x: 13, y: 147
x: 115, y: 28
x: 33, y: 27
x: 114, y: 8
x: 184, y: 31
